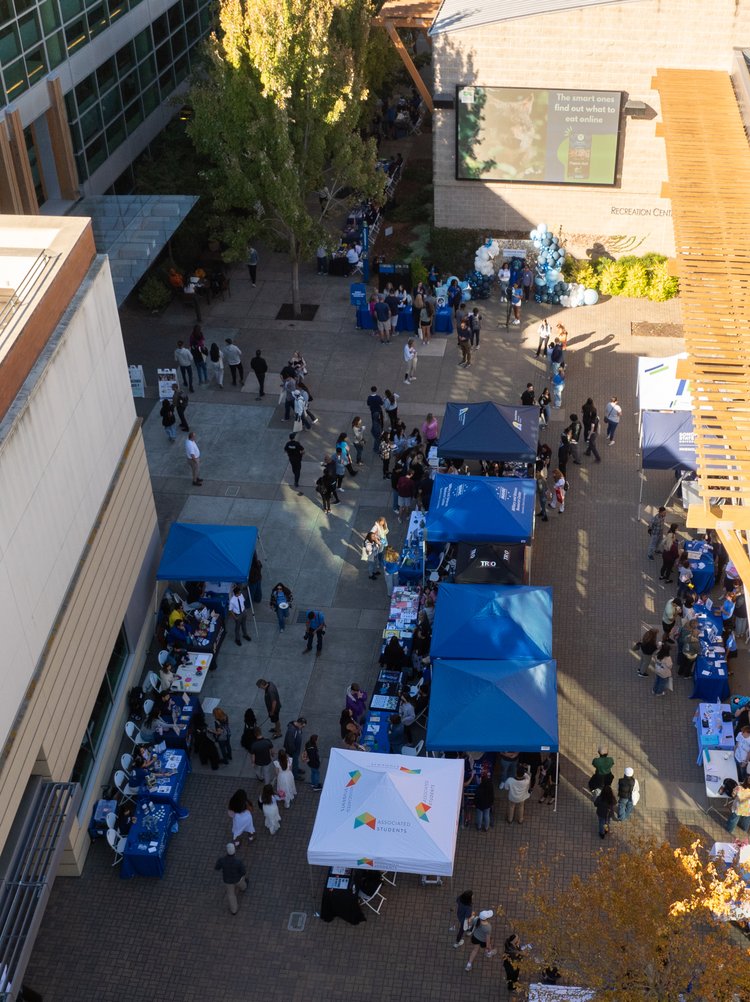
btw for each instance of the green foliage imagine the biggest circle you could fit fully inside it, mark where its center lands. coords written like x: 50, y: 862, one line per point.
x: 644, y: 277
x: 418, y: 271
x: 154, y: 294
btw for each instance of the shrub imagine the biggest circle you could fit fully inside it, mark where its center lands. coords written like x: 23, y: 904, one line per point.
x: 153, y: 294
x: 636, y: 278
x: 611, y: 278
x: 418, y: 271
x: 583, y: 272
x: 662, y: 286
x: 644, y: 277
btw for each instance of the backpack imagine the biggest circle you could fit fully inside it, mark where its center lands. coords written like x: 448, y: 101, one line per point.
x: 135, y: 704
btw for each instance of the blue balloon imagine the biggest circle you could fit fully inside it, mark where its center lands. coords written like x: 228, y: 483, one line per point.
x: 533, y: 235
x: 537, y: 297
x: 540, y: 281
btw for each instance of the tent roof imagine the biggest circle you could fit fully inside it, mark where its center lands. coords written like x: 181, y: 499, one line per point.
x: 457, y: 14
x: 207, y: 552
x: 388, y: 812
x: 490, y: 431
x: 667, y: 440
x: 481, y: 509
x: 485, y: 622
x: 659, y: 389
x: 493, y: 706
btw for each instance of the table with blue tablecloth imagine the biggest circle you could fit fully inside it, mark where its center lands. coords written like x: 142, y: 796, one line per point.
x: 167, y: 789
x: 711, y: 676
x: 406, y: 320
x: 147, y: 841
x: 184, y: 739
x: 444, y: 320
x: 701, y: 558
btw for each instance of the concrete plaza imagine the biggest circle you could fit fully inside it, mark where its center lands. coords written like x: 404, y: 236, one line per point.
x: 104, y: 939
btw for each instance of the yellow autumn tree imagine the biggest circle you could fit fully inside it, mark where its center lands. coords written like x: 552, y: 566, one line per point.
x: 649, y: 923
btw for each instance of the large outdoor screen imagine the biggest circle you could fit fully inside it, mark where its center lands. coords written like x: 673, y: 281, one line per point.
x: 546, y: 136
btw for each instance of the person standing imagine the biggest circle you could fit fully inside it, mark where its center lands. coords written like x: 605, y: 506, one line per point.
x: 527, y: 280
x: 216, y: 364
x: 295, y: 452
x: 574, y: 430
x: 168, y: 419
x: 512, y: 953
x: 311, y: 755
x: 193, y: 455
x: 260, y: 368
x: 518, y: 793
x: 656, y: 532
x: 199, y: 352
x: 528, y: 397
x: 475, y: 327
x: 281, y: 600
x: 238, y: 612
x: 358, y: 438
x: 481, y: 937
x: 252, y: 263
x: 541, y: 492
x: 484, y: 800
x: 382, y: 315
x: 273, y: 704
x: 233, y: 358
x: 628, y: 795
x: 662, y: 671
x: 180, y: 401
x: 184, y: 359
x: 563, y: 453
x: 464, y: 345
x: 602, y: 775
x: 233, y: 874
x: 544, y: 333
x: 558, y: 487
x: 516, y: 299
x: 503, y: 278
x: 315, y: 628
x: 375, y: 406
x: 293, y: 745
x: 669, y: 553
x: 558, y: 385
x: 255, y: 579
x: 605, y: 805
x: 390, y: 406
x: 545, y: 399
x: 593, y: 435
x: 464, y: 916
x: 612, y: 416
x: 261, y: 749
x: 410, y: 361
x: 556, y: 357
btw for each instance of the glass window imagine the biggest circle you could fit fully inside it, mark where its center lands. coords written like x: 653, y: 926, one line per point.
x: 125, y: 182
x: 98, y: 21
x: 55, y: 49
x: 71, y: 106
x: 181, y: 68
x: 81, y: 167
x: 111, y: 104
x: 134, y: 3
x: 151, y: 99
x: 204, y: 17
x: 190, y: 7
x: 179, y: 42
x: 75, y: 35
x: 133, y: 117
x: 125, y: 58
x: 143, y: 44
x: 96, y: 154
x: 91, y: 123
x: 160, y: 28
x: 147, y: 72
x: 193, y: 29
x: 166, y: 82
x: 115, y: 134
x: 50, y: 15
x: 129, y: 88
x: 116, y: 9
x: 175, y: 17
x: 117, y: 662
x: 6, y: 11
x: 75, y: 136
x: 85, y: 93
x: 70, y: 9
x: 30, y: 31
x: 15, y: 79
x: 36, y: 66
x: 10, y: 44
x: 163, y: 57
x: 106, y: 75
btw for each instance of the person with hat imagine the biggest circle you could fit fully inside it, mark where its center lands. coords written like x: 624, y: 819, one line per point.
x: 481, y: 937
x: 233, y: 874
x: 281, y: 601
x: 628, y: 795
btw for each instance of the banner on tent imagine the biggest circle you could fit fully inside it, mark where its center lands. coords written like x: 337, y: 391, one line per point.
x: 659, y: 389
x: 490, y: 563
x: 668, y: 441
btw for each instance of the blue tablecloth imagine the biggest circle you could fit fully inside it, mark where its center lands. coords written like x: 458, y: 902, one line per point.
x: 405, y: 319
x: 185, y: 738
x: 711, y: 678
x: 444, y: 320
x: 701, y: 564
x: 375, y: 733
x: 168, y: 789
x: 149, y: 831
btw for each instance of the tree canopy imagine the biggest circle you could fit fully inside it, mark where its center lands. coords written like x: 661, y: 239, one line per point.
x: 276, y: 114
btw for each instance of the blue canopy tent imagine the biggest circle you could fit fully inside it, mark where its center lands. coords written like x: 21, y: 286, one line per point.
x: 490, y: 621
x: 493, y: 706
x: 490, y: 431
x: 481, y: 509
x: 196, y: 552
x: 668, y: 441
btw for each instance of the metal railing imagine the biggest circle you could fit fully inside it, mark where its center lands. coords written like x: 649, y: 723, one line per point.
x: 24, y: 293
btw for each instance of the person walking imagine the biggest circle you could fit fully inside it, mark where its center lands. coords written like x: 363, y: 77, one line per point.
x: 315, y: 628
x: 464, y: 345
x: 261, y: 750
x: 382, y: 315
x: 518, y: 793
x: 241, y: 815
x: 656, y: 532
x: 260, y: 367
x: 410, y: 361
x: 358, y: 439
x: 669, y: 553
x: 646, y: 647
x: 740, y: 809
x: 475, y: 327
x: 558, y: 489
x: 370, y: 550
x: 563, y: 453
x: 216, y: 364
x: 628, y: 794
x: 281, y: 601
x: 541, y: 492
x: 184, y: 359
x: 180, y: 401
x: 481, y: 937
x: 293, y: 745
x: 301, y: 418
x: 558, y: 385
x: 311, y: 755
x: 612, y: 416
x: 591, y: 439
x: 602, y: 775
x: 294, y: 452
x: 574, y: 430
x: 662, y: 671
x: 285, y: 784
x: 168, y: 419
x: 528, y: 397
x: 233, y: 875
x: 193, y: 454
x: 464, y: 916
x: 605, y: 804
x: 544, y: 333
x: 545, y: 399
x: 588, y: 413
x: 252, y: 263
x: 233, y: 358
x: 238, y: 612
x: 273, y: 704
x: 516, y: 298
x: 390, y: 406
x: 269, y: 804
x: 199, y: 352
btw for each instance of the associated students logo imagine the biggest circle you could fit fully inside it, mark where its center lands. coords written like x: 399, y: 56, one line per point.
x: 368, y: 820
x: 422, y: 810
x: 354, y: 778
x: 411, y: 772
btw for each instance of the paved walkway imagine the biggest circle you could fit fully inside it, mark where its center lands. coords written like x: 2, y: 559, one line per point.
x: 106, y: 939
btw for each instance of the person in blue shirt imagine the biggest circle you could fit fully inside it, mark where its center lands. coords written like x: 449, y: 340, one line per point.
x: 396, y: 736
x: 315, y: 626
x: 382, y: 313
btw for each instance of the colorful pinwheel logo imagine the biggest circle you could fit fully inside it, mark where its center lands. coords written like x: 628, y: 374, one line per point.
x: 354, y: 778
x: 411, y: 772
x: 365, y: 862
x: 422, y: 810
x: 368, y: 820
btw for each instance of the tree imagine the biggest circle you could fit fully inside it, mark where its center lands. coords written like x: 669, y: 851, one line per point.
x: 277, y: 113
x: 645, y: 925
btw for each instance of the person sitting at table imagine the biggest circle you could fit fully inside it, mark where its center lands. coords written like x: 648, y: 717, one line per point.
x: 396, y: 734
x: 268, y: 803
x: 740, y: 706
x: 420, y: 642
x: 352, y: 743
x: 348, y: 725
x: 393, y: 655
x: 352, y: 258
x: 408, y: 715
x: 356, y: 701
x: 167, y: 705
x: 154, y: 727
x: 241, y: 816
x: 167, y: 661
x: 125, y: 817
x: 177, y: 634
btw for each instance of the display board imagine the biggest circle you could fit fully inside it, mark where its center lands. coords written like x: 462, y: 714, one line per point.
x: 543, y: 136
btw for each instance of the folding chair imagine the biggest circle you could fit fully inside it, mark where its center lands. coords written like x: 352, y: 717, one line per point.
x: 133, y: 732
x: 118, y: 843
x: 126, y: 761
x: 121, y: 782
x: 367, y: 899
x: 152, y: 682
x: 389, y: 878
x: 148, y: 705
x: 413, y: 749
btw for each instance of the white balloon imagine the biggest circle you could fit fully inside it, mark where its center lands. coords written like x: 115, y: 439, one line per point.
x: 533, y: 234
x: 590, y: 297
x: 565, y: 301
x: 494, y: 248
x: 541, y: 228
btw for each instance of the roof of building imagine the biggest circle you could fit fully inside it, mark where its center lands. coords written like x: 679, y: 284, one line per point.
x: 455, y: 15
x: 407, y: 12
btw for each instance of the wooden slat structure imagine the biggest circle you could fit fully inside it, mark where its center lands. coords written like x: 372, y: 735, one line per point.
x: 416, y: 15
x: 708, y: 161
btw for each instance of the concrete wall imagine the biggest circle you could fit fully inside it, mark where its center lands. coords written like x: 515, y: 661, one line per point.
x: 613, y: 47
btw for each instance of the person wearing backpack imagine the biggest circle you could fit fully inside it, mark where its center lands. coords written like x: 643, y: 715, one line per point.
x: 475, y: 326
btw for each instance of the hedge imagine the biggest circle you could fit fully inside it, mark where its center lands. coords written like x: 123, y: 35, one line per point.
x: 638, y: 277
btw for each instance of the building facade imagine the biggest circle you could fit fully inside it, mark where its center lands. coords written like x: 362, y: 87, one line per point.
x: 78, y: 533
x: 85, y: 85
x: 599, y: 47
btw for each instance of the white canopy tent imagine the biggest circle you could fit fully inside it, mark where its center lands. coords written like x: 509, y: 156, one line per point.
x: 388, y: 812
x: 659, y: 389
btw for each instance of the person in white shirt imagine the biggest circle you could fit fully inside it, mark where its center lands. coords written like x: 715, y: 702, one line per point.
x: 233, y: 358
x: 193, y: 454
x: 238, y: 612
x: 742, y: 752
x: 353, y: 258
x: 518, y: 793
x: 504, y: 278
x: 612, y: 416
x: 544, y: 333
x: 184, y: 358
x: 410, y: 360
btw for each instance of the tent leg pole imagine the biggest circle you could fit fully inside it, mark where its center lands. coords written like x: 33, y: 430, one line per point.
x: 252, y: 613
x: 316, y: 913
x: 678, y: 484
x: 261, y: 547
x: 557, y: 781
x: 640, y: 494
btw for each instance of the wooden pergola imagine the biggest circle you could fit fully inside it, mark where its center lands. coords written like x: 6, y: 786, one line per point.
x: 708, y: 162
x: 416, y: 15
